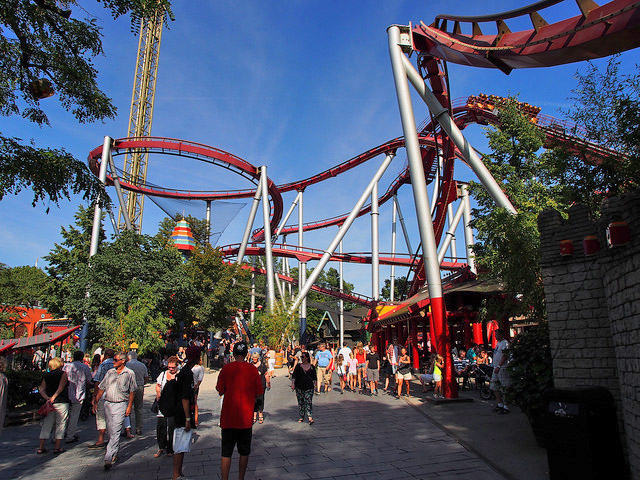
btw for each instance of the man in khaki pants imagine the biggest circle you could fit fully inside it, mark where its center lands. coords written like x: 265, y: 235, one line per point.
x: 322, y: 359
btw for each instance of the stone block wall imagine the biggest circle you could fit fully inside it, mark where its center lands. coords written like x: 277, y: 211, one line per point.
x: 593, y: 304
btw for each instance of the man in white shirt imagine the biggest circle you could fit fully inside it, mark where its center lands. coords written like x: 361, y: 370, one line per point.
x: 345, y: 352
x: 500, y: 377
x: 79, y: 376
x: 142, y: 375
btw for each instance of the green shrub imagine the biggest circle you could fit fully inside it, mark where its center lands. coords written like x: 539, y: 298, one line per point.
x: 21, y: 383
x: 530, y: 368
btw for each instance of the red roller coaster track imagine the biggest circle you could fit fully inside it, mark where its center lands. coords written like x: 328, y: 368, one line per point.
x: 598, y: 31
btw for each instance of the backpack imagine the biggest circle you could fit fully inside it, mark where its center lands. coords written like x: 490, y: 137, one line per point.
x: 169, y: 398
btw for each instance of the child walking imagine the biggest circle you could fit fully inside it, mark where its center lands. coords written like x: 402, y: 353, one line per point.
x: 341, y: 370
x: 353, y: 372
x: 437, y: 376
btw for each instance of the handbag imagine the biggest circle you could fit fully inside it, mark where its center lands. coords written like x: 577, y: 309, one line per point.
x: 45, y: 409
x: 154, y: 406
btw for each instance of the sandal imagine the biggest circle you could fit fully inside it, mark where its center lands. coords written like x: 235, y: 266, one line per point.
x: 299, y: 420
x: 311, y: 421
x: 40, y: 451
x: 58, y: 451
x: 159, y: 453
x: 261, y: 420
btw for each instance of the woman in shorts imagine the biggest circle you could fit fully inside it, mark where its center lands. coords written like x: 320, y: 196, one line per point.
x: 361, y: 357
x: 403, y: 375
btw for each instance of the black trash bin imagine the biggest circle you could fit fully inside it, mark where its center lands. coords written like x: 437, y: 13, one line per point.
x: 581, y: 435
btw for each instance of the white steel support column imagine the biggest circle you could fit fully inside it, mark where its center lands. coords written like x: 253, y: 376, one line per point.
x: 302, y: 268
x: 286, y: 217
x: 266, y: 213
x: 441, y: 114
x: 416, y: 170
x: 341, y: 288
x: 454, y: 249
x: 208, y: 219
x: 304, y: 290
x: 468, y: 231
x: 375, y: 245
x: 97, y: 210
x: 95, y: 229
x: 402, y: 224
x: 450, y: 234
x: 249, y: 226
x: 425, y: 223
x: 394, y: 215
x: 253, y: 296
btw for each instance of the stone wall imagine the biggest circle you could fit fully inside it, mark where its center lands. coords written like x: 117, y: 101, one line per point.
x: 593, y: 304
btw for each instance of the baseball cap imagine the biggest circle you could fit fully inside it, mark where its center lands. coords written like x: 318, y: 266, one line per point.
x: 240, y: 348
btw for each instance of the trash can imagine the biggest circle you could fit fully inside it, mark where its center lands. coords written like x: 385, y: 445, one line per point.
x: 581, y: 435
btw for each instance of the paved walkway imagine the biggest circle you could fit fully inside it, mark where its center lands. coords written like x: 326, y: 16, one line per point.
x: 355, y: 437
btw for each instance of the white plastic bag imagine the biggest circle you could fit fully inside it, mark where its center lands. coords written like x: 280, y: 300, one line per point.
x: 182, y: 440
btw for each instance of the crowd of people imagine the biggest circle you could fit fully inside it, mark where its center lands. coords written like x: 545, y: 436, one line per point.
x: 112, y: 385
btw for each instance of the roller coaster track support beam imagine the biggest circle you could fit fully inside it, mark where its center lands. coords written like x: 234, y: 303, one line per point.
x: 286, y: 217
x: 394, y: 219
x: 441, y: 114
x: 95, y: 229
x: 451, y: 233
x: 419, y: 186
x: 302, y: 270
x: 375, y: 245
x: 252, y: 217
x: 405, y: 233
x: 344, y: 228
x: 468, y: 231
x: 208, y: 220
x: 454, y: 249
x: 116, y: 183
x: 266, y: 213
x: 341, y: 287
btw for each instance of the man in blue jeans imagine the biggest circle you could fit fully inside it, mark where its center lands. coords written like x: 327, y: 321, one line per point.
x: 322, y: 360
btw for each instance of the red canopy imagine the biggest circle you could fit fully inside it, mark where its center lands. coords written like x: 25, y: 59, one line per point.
x: 7, y: 344
x: 36, y: 340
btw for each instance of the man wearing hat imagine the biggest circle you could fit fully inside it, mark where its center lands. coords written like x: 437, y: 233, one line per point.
x: 240, y: 383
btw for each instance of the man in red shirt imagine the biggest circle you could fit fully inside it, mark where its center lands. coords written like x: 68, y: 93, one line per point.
x: 240, y: 384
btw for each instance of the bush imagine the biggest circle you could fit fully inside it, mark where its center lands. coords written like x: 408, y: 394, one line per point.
x: 21, y: 383
x: 531, y: 369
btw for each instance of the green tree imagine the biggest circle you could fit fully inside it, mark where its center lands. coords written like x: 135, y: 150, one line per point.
x: 218, y: 289
x: 67, y: 265
x: 199, y: 229
x: 400, y: 289
x: 47, y: 50
x: 19, y: 286
x: 508, y: 245
x: 607, y: 106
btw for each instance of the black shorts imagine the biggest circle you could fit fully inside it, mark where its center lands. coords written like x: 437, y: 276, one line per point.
x: 236, y: 436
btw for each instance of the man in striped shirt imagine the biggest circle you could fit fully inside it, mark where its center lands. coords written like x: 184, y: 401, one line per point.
x: 119, y: 389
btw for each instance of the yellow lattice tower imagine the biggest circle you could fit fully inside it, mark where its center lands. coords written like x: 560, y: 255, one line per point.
x: 141, y: 116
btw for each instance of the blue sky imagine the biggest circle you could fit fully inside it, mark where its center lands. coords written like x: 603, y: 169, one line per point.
x: 295, y: 85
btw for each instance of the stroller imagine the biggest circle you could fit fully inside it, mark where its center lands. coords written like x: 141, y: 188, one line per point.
x: 482, y: 375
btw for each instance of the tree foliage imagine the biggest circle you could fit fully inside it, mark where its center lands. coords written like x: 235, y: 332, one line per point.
x: 19, y: 286
x: 46, y: 50
x: 217, y: 290
x: 400, y: 289
x: 507, y: 245
x: 607, y: 106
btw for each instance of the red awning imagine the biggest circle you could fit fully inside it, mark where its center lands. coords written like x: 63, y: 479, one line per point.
x: 42, y: 339
x: 7, y: 344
